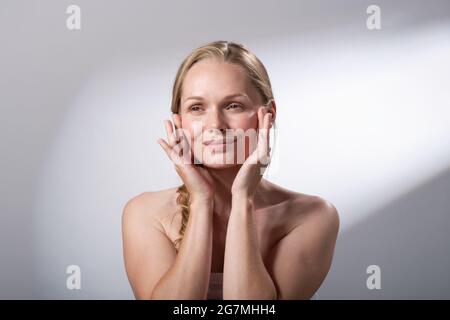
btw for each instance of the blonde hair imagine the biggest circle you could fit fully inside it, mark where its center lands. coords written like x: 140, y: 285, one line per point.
x: 227, y: 52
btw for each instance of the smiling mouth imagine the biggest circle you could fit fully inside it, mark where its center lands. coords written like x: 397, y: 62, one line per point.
x: 219, y: 142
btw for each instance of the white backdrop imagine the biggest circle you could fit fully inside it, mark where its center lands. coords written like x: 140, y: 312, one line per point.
x: 368, y: 112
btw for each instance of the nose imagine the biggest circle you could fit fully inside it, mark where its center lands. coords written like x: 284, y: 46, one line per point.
x: 215, y: 122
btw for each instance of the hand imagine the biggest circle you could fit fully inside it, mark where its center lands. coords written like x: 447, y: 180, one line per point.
x: 196, y: 178
x: 251, y: 171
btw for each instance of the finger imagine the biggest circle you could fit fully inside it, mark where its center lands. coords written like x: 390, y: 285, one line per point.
x: 177, y: 149
x: 263, y: 134
x: 182, y: 148
x: 264, y: 139
x: 166, y: 147
x: 187, y: 152
x: 169, y: 151
x: 180, y: 141
x: 169, y: 130
x: 267, y: 119
x: 187, y: 141
x: 177, y: 122
x: 267, y: 139
x: 260, y: 117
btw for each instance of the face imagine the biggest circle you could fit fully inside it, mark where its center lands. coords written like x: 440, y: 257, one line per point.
x: 219, y: 103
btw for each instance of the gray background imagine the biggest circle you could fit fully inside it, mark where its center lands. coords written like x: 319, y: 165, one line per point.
x: 81, y: 110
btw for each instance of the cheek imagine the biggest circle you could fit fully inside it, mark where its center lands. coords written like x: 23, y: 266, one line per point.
x: 250, y: 122
x: 244, y: 122
x: 190, y: 129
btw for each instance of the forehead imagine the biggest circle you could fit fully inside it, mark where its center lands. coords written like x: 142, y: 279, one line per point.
x: 212, y: 79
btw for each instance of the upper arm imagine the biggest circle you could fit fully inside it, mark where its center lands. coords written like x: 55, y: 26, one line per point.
x: 148, y: 252
x: 302, y: 259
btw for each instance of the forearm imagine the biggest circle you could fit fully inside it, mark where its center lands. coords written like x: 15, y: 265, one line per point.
x: 188, y: 278
x: 245, y: 276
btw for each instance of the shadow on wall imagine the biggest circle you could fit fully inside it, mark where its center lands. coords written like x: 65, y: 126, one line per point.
x: 408, y: 239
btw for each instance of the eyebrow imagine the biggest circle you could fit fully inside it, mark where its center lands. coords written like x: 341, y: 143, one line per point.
x: 224, y: 98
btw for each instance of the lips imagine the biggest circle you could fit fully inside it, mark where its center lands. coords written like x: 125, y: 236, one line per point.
x: 219, y: 141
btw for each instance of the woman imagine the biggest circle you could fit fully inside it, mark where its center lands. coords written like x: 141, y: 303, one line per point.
x: 226, y: 233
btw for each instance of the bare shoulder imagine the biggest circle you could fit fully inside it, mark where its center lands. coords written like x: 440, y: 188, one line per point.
x: 151, y: 208
x: 300, y: 261
x: 303, y: 208
x: 147, y: 250
x: 316, y: 208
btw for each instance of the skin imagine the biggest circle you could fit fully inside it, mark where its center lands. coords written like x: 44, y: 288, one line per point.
x: 269, y: 242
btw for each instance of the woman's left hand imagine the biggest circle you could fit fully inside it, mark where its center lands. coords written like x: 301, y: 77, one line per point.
x: 252, y: 169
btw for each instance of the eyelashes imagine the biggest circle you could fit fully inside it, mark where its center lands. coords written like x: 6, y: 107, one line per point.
x: 193, y: 108
x: 231, y: 107
x: 237, y: 105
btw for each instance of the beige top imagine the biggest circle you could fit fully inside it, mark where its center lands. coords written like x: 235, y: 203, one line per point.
x: 215, y: 291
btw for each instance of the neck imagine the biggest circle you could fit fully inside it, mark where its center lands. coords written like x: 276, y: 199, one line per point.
x: 223, y: 181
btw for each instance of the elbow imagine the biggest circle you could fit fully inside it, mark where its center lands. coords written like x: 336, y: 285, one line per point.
x: 262, y: 295
x: 144, y: 296
x: 273, y: 295
x: 154, y: 295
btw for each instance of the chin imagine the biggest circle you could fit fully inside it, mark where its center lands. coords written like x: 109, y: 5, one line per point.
x: 218, y: 161
x: 218, y: 165
x: 221, y: 160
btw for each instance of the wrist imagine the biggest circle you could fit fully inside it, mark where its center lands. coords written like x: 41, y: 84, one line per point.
x: 201, y: 200
x: 242, y: 198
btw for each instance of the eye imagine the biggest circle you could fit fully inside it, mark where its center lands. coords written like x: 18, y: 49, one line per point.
x: 234, y: 106
x: 195, y: 108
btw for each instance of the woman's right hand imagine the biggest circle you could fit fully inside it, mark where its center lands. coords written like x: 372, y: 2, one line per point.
x: 195, y: 177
